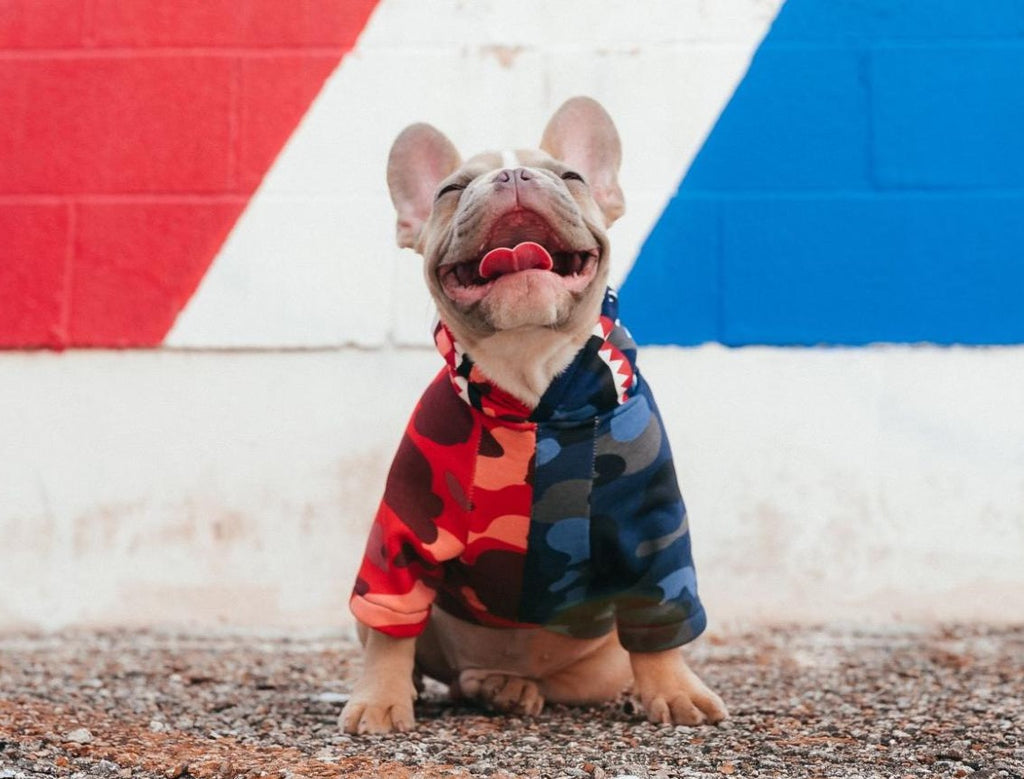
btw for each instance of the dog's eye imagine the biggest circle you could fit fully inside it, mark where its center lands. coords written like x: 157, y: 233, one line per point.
x: 571, y: 175
x: 448, y: 188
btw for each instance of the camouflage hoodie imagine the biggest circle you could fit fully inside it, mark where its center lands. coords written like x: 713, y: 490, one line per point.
x: 567, y: 515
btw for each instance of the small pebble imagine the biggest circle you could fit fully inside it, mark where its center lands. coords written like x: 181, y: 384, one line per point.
x: 331, y: 697
x: 79, y: 736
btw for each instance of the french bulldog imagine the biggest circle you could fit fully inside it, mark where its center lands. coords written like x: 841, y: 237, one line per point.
x: 532, y: 544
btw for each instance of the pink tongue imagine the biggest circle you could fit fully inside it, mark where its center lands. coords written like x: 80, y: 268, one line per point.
x: 526, y: 256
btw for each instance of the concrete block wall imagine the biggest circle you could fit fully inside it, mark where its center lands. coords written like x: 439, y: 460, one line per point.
x: 488, y: 76
x: 864, y: 185
x: 134, y: 134
x: 193, y: 222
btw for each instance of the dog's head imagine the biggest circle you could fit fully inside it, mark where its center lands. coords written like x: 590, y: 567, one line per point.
x: 512, y: 239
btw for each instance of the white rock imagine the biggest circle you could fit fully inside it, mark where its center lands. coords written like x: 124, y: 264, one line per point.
x: 79, y: 736
x: 331, y: 697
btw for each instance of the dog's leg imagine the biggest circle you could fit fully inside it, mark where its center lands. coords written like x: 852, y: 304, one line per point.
x: 671, y: 693
x: 600, y: 676
x: 382, y: 699
x: 601, y: 673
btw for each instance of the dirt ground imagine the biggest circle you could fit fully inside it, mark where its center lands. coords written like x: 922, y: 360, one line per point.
x: 806, y: 702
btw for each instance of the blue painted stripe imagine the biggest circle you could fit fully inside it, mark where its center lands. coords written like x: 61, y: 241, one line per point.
x: 865, y: 184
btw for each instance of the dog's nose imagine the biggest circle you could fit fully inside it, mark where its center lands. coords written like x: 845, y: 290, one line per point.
x: 508, y: 175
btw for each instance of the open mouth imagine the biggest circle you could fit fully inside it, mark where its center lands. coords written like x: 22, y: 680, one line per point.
x: 527, y: 255
x: 522, y: 245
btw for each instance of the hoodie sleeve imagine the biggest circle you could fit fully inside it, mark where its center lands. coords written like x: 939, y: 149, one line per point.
x: 642, y: 532
x: 420, y: 523
x: 661, y: 610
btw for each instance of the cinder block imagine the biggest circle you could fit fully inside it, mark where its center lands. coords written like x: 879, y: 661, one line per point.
x: 98, y: 125
x: 661, y: 129
x: 297, y: 273
x: 413, y: 311
x: 275, y: 92
x: 631, y: 230
x: 617, y: 25
x: 804, y: 270
x: 361, y: 252
x: 736, y: 20
x: 136, y: 265
x: 672, y: 294
x: 335, y: 151
x: 33, y: 265
x: 948, y: 116
x: 537, y: 25
x: 146, y: 23
x: 474, y: 95
x: 48, y: 24
x: 855, y: 270
x: 850, y: 20
x: 797, y: 121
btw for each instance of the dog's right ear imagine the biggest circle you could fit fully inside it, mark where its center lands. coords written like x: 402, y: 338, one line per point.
x: 421, y: 158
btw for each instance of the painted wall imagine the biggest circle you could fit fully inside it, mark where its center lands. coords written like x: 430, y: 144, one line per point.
x: 134, y: 134
x: 208, y: 184
x: 865, y: 184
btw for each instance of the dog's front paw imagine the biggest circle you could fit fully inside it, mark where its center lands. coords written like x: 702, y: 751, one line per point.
x: 369, y: 715
x: 381, y: 700
x: 379, y: 705
x: 673, y: 694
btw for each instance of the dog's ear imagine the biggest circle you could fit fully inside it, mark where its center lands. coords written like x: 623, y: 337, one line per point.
x: 421, y: 157
x: 582, y: 135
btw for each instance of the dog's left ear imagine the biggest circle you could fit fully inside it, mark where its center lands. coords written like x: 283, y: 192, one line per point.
x: 421, y: 158
x: 583, y: 136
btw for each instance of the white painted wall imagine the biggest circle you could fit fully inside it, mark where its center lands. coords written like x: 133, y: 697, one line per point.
x: 236, y: 488
x: 193, y: 487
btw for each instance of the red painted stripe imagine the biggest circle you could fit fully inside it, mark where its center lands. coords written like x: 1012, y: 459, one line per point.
x: 33, y: 274
x: 137, y: 264
x: 41, y: 23
x: 86, y: 126
x: 257, y: 23
x: 134, y: 133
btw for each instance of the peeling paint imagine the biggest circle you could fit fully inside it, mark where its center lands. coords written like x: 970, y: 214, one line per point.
x: 505, y: 55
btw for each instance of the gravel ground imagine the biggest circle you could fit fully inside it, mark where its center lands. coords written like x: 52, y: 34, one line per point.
x: 806, y: 702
